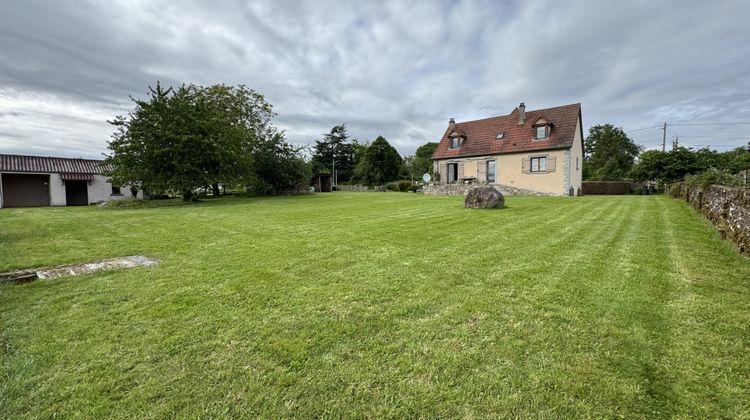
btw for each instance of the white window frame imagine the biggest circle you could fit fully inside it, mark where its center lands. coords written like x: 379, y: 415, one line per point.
x: 539, y: 160
x: 494, y: 171
x: 536, y: 132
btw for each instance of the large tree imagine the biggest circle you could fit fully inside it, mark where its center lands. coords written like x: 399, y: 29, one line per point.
x: 380, y: 164
x: 610, y: 153
x: 279, y: 167
x: 674, y: 165
x: 180, y: 139
x: 423, y: 158
x: 334, y: 147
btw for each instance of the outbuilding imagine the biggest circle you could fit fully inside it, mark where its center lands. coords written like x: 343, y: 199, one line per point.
x: 38, y: 181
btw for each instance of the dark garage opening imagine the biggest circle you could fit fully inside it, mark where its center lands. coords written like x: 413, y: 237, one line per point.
x: 76, y: 193
x: 25, y: 190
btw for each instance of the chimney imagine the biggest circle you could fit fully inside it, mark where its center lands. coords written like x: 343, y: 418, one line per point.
x: 521, y: 114
x: 451, y: 125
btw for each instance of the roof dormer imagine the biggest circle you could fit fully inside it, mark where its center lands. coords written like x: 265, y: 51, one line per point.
x: 456, y: 139
x: 542, y: 128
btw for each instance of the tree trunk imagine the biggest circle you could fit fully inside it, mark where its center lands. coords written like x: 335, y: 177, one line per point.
x: 215, y: 187
x: 188, y: 196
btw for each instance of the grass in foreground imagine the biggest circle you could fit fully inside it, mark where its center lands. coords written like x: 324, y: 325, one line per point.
x: 377, y: 305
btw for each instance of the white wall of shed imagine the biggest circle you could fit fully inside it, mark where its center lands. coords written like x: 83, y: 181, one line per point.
x: 100, y: 189
x: 56, y: 190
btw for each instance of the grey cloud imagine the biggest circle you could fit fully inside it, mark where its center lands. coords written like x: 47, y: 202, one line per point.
x: 395, y: 69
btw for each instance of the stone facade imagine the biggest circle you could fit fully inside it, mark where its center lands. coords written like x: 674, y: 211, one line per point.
x: 462, y: 189
x: 727, y: 208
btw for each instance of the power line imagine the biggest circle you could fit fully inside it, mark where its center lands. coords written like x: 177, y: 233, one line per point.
x: 724, y: 123
x: 643, y: 129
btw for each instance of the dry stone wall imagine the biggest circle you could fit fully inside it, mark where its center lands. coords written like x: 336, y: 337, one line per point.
x: 462, y: 189
x: 727, y: 208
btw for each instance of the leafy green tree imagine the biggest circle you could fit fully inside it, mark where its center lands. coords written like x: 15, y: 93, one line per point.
x: 737, y: 160
x: 678, y: 163
x: 381, y: 163
x: 671, y: 166
x: 423, y: 159
x: 426, y: 150
x: 358, y: 151
x: 408, y: 169
x: 334, y: 146
x: 279, y: 167
x: 610, y: 153
x: 178, y: 140
x: 650, y: 166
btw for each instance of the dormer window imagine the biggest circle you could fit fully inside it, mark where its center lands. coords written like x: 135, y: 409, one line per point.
x: 540, y: 132
x: 456, y: 138
x: 541, y: 129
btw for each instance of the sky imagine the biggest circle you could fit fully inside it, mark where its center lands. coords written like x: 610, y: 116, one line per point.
x: 399, y: 69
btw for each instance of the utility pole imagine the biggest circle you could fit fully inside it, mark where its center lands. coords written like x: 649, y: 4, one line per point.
x: 664, y: 138
x: 333, y: 174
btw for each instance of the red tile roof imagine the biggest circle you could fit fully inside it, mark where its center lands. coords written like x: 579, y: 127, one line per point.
x: 481, y: 135
x: 43, y: 164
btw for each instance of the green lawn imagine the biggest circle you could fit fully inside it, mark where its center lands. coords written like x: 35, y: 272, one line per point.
x: 377, y: 305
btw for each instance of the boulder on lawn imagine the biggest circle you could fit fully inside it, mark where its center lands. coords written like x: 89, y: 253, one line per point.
x: 484, y: 197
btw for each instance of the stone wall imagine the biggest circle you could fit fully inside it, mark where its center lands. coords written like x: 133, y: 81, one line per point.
x: 727, y: 208
x: 462, y: 189
x: 360, y: 188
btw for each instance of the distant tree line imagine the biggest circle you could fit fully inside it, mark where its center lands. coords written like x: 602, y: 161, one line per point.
x: 376, y: 163
x: 179, y: 140
x: 611, y: 155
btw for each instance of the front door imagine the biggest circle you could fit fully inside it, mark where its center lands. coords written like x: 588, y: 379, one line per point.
x: 452, y: 172
x: 76, y: 193
x: 491, y: 172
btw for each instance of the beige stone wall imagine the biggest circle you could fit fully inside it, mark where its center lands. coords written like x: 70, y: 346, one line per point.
x: 576, y: 159
x: 509, y: 171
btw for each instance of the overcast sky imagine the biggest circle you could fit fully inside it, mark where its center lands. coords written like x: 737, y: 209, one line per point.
x: 398, y: 69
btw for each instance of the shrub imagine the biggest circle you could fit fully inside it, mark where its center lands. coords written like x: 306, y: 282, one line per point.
x: 401, y: 186
x: 132, y: 203
x: 712, y: 176
x: 674, y: 189
x: 606, y: 187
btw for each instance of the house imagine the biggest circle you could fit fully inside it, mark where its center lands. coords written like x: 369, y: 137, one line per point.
x: 539, y: 151
x: 34, y: 181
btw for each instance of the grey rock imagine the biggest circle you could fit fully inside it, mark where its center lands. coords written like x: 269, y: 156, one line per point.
x: 484, y: 197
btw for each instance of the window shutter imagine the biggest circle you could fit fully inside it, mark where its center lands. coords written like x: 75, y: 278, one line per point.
x: 482, y: 171
x: 526, y: 165
x: 551, y: 163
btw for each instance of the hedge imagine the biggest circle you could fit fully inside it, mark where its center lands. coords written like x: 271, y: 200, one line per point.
x: 606, y: 187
